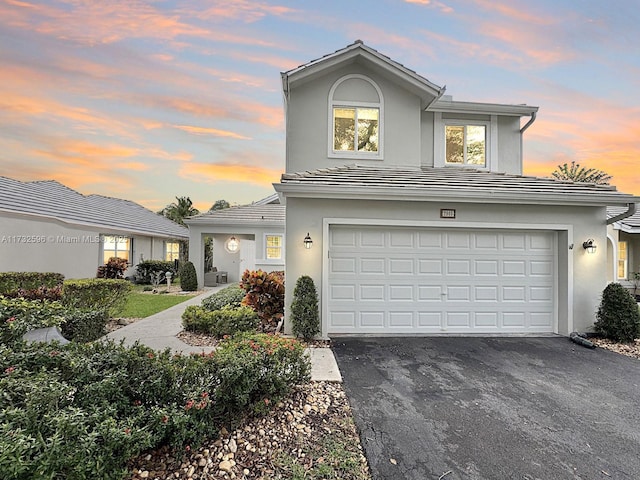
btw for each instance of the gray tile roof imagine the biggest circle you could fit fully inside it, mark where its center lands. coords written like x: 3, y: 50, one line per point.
x: 246, y: 215
x: 629, y: 223
x: 53, y: 200
x: 446, y: 183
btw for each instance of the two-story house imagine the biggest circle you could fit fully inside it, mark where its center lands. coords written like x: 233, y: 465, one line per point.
x: 410, y: 211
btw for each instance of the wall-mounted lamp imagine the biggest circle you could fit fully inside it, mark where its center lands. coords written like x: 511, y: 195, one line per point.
x: 232, y: 245
x: 307, y: 241
x: 589, y: 246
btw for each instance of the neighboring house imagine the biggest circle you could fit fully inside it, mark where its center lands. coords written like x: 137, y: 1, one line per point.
x: 623, y: 247
x: 47, y: 227
x: 420, y: 217
x: 244, y: 238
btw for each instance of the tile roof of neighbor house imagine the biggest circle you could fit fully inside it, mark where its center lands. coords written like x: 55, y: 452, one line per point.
x: 630, y: 224
x: 447, y: 183
x: 51, y: 199
x: 256, y: 214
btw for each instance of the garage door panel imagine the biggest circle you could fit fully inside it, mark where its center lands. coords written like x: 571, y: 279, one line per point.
x: 401, y: 280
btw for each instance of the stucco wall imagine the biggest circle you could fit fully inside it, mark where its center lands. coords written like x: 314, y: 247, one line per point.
x: 227, y: 261
x: 59, y: 247
x: 308, y: 124
x: 581, y: 276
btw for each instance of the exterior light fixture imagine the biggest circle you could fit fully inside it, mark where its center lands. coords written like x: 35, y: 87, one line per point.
x: 307, y: 241
x: 232, y: 245
x: 589, y: 246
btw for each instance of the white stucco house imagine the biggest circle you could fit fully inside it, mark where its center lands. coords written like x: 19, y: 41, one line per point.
x: 48, y: 227
x: 247, y: 237
x: 420, y: 218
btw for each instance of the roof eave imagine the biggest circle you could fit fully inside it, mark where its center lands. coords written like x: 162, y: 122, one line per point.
x: 462, y: 195
x: 447, y: 106
x: 103, y: 227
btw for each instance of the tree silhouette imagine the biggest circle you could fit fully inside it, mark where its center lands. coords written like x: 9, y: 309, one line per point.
x: 178, y: 211
x: 219, y: 205
x: 576, y: 173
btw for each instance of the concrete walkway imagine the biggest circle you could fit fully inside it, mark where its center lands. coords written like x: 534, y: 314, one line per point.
x: 159, y: 332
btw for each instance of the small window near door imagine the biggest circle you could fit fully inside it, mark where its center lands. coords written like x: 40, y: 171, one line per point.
x: 273, y: 247
x: 171, y: 251
x: 622, y: 260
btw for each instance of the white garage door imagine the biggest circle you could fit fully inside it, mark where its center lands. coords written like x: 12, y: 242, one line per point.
x: 408, y: 280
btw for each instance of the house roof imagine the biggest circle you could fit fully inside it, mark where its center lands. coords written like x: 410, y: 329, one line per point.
x: 254, y: 215
x: 51, y: 199
x: 444, y: 184
x: 630, y: 224
x: 358, y: 51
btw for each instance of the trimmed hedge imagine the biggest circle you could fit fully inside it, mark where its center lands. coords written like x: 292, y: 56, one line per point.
x: 18, y: 316
x: 305, y: 318
x: 145, y: 269
x: 188, y: 277
x: 226, y: 321
x: 80, y: 411
x: 96, y: 294
x: 31, y: 285
x: 618, y: 317
x: 84, y: 325
x: 230, y: 296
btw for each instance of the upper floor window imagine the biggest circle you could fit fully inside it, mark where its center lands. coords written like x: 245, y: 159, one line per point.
x: 171, y: 251
x: 116, y: 246
x: 355, y: 129
x: 273, y: 247
x: 355, y: 118
x: 466, y: 145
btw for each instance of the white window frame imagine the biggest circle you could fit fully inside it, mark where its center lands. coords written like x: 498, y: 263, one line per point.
x: 440, y: 143
x: 130, y: 249
x: 355, y: 104
x: 625, y: 260
x: 275, y: 260
x: 166, y: 244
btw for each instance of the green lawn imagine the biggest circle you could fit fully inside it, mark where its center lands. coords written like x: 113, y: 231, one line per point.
x: 141, y: 305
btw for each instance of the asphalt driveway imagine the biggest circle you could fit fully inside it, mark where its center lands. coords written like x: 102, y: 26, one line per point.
x: 493, y: 408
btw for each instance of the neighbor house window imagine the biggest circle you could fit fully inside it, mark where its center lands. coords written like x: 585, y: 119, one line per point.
x: 273, y: 247
x: 355, y: 129
x: 622, y: 260
x: 466, y: 145
x: 116, y: 246
x: 171, y: 251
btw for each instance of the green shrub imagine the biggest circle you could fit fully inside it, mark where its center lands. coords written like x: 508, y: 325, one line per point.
x: 96, y: 294
x: 188, y: 277
x: 31, y: 285
x: 81, y: 411
x: 84, y: 325
x: 145, y: 269
x: 225, y: 321
x: 230, y: 296
x: 18, y: 316
x: 304, y: 309
x: 618, y: 318
x: 265, y: 294
x: 257, y: 370
x: 114, y: 268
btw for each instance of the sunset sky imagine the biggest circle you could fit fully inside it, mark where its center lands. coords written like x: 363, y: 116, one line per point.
x: 148, y: 100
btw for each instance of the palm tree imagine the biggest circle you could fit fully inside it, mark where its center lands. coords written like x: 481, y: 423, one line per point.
x: 576, y: 173
x: 178, y: 211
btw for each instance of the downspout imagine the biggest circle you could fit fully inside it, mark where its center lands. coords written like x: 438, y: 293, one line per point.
x: 631, y: 210
x: 529, y: 123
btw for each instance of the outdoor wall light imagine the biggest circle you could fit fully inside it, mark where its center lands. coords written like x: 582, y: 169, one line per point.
x: 307, y: 241
x: 589, y: 246
x: 232, y: 244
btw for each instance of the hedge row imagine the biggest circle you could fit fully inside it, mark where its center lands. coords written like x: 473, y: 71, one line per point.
x: 31, y: 284
x: 81, y: 411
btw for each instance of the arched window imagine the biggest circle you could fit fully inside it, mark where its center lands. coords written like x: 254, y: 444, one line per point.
x: 356, y: 118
